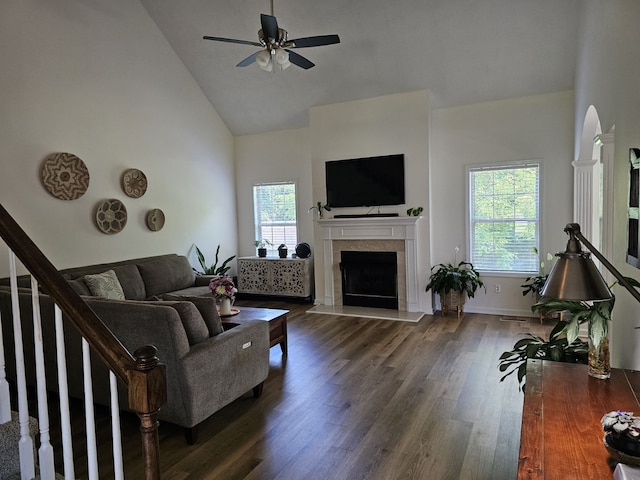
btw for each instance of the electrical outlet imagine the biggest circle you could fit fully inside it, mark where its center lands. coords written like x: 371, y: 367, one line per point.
x: 497, y: 288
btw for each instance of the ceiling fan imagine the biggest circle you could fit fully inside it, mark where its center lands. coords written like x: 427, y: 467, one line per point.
x: 276, y: 46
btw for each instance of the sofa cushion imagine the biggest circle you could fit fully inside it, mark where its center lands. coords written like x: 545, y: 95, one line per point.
x: 192, y: 320
x: 80, y: 286
x: 166, y: 275
x: 207, y: 308
x: 105, y: 285
x: 131, y: 281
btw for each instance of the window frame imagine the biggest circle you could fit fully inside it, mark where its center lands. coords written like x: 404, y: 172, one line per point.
x: 256, y: 224
x: 469, y: 222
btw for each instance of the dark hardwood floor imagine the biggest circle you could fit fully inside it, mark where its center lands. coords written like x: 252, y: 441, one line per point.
x: 361, y: 399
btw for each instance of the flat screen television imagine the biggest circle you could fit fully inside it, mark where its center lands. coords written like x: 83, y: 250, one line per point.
x: 365, y: 182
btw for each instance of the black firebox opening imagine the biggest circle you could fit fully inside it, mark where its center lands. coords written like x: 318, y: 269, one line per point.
x: 369, y: 279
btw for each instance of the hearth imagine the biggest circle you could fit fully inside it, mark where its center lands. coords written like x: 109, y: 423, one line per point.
x: 369, y: 279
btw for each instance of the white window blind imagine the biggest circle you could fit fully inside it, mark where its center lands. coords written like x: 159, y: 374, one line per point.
x: 504, y: 217
x: 274, y: 207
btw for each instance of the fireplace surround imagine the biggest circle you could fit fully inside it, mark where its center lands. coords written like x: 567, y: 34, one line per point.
x: 390, y: 234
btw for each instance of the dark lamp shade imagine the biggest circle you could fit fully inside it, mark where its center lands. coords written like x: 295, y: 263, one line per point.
x: 575, y: 277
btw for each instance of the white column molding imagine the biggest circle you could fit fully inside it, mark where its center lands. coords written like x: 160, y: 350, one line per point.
x: 583, y: 194
x: 606, y: 143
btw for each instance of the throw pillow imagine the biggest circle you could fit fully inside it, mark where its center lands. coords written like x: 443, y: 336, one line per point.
x: 192, y: 321
x: 207, y: 308
x: 105, y: 285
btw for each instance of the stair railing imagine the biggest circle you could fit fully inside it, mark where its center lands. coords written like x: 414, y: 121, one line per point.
x: 141, y: 372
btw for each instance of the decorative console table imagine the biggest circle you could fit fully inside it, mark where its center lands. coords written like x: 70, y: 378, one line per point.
x: 286, y: 277
x: 562, y: 437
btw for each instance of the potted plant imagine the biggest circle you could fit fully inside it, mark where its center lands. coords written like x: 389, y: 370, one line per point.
x: 260, y: 245
x: 595, y: 314
x: 454, y: 283
x: 319, y: 207
x: 213, y: 269
x: 282, y: 250
x: 557, y: 348
x: 533, y: 284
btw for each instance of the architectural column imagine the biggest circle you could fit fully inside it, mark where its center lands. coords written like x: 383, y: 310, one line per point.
x: 605, y: 141
x: 585, y: 196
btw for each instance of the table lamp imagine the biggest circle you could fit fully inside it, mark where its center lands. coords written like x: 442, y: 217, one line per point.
x: 575, y: 277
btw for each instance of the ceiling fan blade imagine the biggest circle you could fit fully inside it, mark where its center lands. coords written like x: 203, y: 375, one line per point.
x: 300, y: 61
x: 316, y: 41
x: 232, y: 40
x: 249, y: 60
x: 269, y: 25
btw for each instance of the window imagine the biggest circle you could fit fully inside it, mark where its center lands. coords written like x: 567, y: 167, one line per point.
x: 504, y: 217
x: 274, y: 206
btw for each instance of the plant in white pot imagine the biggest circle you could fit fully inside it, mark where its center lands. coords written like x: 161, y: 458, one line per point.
x: 454, y: 283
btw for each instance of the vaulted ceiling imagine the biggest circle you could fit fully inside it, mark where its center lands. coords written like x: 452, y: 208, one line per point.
x: 462, y: 51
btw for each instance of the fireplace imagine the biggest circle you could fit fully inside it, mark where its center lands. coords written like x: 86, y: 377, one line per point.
x: 369, y: 279
x: 393, y: 234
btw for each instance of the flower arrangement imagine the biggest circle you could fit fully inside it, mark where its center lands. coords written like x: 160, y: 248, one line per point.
x: 222, y: 287
x: 622, y: 423
x: 622, y: 432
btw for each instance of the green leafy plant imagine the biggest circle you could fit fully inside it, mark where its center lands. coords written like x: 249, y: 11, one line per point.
x: 557, y: 348
x: 463, y: 278
x: 534, y: 283
x: 564, y: 337
x: 261, y: 243
x: 213, y: 269
x: 415, y: 212
x: 320, y: 207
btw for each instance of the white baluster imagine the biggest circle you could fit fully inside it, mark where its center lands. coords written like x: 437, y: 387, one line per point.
x: 5, y: 399
x: 25, y: 446
x: 118, y: 467
x: 92, y: 454
x: 63, y: 388
x: 45, y: 452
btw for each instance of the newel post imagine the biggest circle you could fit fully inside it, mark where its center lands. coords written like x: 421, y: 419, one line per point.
x: 147, y: 393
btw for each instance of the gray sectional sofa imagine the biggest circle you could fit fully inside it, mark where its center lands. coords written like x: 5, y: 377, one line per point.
x: 165, y: 304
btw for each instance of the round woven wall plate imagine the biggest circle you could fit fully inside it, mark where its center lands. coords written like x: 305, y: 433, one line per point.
x: 155, y: 219
x: 65, y: 176
x: 134, y: 183
x: 111, y: 216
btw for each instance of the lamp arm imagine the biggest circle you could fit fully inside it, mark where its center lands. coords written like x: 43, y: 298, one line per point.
x: 575, y: 229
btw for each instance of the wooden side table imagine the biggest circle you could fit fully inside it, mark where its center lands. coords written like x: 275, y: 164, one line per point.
x: 561, y: 436
x: 277, y: 323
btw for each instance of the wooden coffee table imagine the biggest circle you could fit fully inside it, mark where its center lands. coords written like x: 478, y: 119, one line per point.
x: 277, y: 323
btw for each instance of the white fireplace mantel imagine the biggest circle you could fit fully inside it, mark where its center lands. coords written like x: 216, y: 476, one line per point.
x: 372, y: 228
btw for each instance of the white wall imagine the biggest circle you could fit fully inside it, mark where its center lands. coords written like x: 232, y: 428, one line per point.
x: 272, y: 157
x: 537, y: 127
x: 607, y: 78
x: 98, y: 79
x: 377, y: 126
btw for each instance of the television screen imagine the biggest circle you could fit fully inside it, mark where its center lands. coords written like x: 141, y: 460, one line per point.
x: 365, y: 182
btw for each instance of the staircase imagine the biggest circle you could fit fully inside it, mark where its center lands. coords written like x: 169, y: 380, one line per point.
x: 9, y: 450
x: 24, y: 439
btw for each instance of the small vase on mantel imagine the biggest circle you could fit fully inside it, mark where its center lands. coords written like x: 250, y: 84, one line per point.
x: 599, y: 361
x: 225, y: 306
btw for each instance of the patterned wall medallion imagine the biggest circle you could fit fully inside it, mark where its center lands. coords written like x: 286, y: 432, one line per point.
x: 111, y: 216
x: 65, y: 176
x: 155, y: 219
x: 134, y: 183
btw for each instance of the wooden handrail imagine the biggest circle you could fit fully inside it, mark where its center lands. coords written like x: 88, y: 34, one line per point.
x: 143, y: 375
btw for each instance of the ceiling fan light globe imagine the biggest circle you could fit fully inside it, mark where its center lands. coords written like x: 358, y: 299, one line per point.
x: 281, y: 56
x: 263, y: 59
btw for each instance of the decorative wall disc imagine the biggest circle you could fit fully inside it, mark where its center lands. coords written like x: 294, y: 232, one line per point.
x: 155, y: 219
x: 111, y: 216
x: 134, y: 183
x: 65, y: 176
